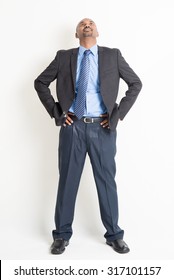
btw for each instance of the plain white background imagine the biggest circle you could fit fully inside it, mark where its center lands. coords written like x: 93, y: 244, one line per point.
x: 31, y: 33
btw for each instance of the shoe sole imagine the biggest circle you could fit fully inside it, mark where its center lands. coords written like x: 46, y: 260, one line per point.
x: 55, y: 252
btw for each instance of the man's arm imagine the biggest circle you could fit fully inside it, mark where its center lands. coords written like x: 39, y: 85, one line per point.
x: 134, y: 86
x: 41, y: 85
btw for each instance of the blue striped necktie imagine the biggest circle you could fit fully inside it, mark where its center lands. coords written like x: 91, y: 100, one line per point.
x: 80, y: 102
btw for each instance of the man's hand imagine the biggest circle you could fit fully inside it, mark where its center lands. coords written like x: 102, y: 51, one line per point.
x: 105, y: 123
x: 68, y: 120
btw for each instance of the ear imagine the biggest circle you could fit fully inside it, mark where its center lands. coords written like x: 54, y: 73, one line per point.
x: 76, y: 35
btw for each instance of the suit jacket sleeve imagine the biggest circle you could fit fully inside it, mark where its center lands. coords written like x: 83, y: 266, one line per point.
x: 134, y: 86
x: 41, y: 85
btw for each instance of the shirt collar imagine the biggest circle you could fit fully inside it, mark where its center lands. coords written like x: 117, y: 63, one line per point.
x: 93, y: 49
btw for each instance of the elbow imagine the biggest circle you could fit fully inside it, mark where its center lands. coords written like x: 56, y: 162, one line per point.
x: 140, y: 84
x: 36, y: 84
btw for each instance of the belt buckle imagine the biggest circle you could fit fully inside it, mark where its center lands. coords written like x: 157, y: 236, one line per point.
x: 85, y: 120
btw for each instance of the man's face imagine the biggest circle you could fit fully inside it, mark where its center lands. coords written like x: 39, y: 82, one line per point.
x: 86, y: 28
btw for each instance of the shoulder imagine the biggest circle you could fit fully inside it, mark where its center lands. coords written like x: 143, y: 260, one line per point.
x: 108, y: 50
x: 67, y: 52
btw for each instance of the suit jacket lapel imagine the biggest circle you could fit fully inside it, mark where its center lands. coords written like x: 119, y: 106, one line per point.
x: 100, y: 61
x: 101, y: 67
x: 74, y: 65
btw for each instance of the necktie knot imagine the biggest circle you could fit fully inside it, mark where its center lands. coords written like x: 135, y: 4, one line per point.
x: 87, y: 52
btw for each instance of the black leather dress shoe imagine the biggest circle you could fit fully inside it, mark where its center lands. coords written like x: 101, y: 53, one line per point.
x: 119, y: 246
x: 58, y: 246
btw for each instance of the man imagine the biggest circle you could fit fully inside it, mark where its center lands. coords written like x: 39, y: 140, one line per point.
x: 87, y: 88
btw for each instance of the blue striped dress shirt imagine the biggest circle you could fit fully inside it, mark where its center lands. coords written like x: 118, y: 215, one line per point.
x: 94, y: 103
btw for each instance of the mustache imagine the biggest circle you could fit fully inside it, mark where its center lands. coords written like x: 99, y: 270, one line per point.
x: 87, y: 27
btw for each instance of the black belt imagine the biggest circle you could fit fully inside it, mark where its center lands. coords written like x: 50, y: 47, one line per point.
x: 88, y: 119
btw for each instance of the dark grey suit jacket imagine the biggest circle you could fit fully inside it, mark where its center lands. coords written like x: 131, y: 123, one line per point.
x: 112, y: 67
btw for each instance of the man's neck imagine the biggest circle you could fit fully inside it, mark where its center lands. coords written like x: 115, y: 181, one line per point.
x: 87, y: 44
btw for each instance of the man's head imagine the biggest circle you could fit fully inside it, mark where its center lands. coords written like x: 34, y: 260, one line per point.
x: 86, y: 28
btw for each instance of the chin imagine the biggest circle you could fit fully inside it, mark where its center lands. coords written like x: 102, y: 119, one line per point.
x: 87, y: 35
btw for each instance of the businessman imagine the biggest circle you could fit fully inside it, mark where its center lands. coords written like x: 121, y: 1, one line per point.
x: 86, y: 108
